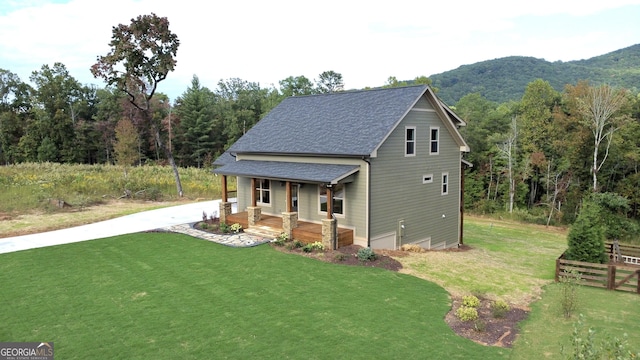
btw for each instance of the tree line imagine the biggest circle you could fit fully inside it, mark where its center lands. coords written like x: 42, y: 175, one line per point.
x: 542, y: 155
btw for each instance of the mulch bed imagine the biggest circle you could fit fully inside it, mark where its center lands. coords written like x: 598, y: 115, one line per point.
x: 488, y: 330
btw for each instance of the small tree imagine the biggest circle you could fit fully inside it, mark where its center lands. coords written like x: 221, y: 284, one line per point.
x: 586, y: 236
x: 125, y: 144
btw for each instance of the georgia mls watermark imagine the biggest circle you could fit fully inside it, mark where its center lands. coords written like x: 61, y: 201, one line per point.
x: 26, y: 350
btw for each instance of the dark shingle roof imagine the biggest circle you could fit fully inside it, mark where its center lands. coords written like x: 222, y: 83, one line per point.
x: 345, y: 123
x: 304, y: 172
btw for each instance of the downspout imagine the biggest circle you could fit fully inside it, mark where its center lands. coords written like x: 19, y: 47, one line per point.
x: 368, y: 200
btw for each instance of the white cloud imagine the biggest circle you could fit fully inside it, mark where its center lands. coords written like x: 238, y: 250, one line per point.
x: 266, y: 41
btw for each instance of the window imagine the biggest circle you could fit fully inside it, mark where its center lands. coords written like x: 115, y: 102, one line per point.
x: 434, y: 140
x: 338, y: 199
x: 427, y: 179
x: 445, y: 183
x: 263, y: 191
x: 410, y: 141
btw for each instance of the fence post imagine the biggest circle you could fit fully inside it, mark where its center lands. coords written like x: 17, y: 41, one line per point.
x: 611, y: 277
x: 638, y: 287
x: 558, y: 270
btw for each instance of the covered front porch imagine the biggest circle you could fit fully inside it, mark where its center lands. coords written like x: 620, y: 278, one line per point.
x: 291, y: 176
x: 305, y: 232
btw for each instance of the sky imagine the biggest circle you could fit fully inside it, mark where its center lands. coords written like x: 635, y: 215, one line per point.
x: 267, y: 41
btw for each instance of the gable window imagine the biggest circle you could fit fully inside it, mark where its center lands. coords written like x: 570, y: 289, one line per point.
x: 445, y: 183
x: 263, y: 191
x: 434, y: 141
x: 338, y: 199
x: 410, y: 141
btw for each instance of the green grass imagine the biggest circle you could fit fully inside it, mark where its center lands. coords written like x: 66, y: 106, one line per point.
x: 170, y: 296
x: 610, y: 313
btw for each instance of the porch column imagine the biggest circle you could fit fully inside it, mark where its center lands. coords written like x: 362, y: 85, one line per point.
x: 255, y: 213
x: 329, y: 227
x: 224, y: 188
x: 225, y: 210
x: 329, y: 202
x: 254, y: 201
x: 289, y: 206
x: 289, y: 222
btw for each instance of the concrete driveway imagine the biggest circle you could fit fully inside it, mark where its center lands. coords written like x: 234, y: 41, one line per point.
x: 143, y: 221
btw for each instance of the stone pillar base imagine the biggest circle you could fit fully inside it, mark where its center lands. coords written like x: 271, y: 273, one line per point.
x: 289, y: 222
x: 225, y: 210
x: 329, y: 227
x: 255, y: 213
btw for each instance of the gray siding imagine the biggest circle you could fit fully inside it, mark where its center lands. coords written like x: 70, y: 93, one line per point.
x: 398, y: 193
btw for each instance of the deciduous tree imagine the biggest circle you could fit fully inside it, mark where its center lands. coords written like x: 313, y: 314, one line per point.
x: 142, y: 55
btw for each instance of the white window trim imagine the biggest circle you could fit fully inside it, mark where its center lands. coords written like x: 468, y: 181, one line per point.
x: 427, y: 179
x: 437, y: 141
x: 344, y: 201
x: 406, y: 141
x: 445, y: 183
x: 260, y: 189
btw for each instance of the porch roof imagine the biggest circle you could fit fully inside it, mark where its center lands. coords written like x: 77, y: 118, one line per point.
x: 289, y: 171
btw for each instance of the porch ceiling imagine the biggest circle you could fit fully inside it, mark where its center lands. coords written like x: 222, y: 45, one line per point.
x: 290, y: 171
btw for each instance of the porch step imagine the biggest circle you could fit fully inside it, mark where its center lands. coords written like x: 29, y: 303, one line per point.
x: 263, y: 231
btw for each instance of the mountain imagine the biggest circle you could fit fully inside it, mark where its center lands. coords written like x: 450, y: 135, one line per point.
x: 505, y: 79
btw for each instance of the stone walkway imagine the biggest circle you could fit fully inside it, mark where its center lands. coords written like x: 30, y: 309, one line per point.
x: 234, y: 240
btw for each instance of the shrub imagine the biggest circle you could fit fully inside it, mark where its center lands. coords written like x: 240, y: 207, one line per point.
x: 297, y: 244
x: 470, y: 301
x: 307, y: 248
x: 466, y: 313
x: 366, y: 254
x: 281, y: 239
x: 479, y: 325
x: 317, y: 246
x: 236, y: 227
x: 584, y: 345
x: 586, y: 236
x: 411, y: 248
x: 341, y: 257
x: 569, y: 292
x: 500, y: 308
x: 224, y: 228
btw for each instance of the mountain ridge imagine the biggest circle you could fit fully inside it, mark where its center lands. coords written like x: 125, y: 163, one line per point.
x: 504, y: 79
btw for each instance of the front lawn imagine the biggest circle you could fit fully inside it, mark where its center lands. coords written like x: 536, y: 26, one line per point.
x: 171, y: 296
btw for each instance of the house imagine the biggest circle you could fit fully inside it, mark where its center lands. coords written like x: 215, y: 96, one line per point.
x: 377, y: 168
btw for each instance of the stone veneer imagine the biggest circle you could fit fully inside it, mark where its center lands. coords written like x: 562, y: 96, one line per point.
x: 329, y: 232
x: 255, y: 213
x: 225, y: 210
x: 289, y: 222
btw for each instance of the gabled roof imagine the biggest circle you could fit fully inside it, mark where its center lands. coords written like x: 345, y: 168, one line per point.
x: 350, y: 123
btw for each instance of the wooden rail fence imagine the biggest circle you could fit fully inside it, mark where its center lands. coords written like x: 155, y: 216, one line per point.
x: 609, y: 276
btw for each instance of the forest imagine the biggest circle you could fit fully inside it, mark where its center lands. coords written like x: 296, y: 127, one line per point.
x: 535, y: 157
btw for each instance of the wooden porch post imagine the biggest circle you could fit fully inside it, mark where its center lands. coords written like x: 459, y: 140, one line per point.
x: 254, y: 201
x: 289, y: 200
x: 224, y: 188
x: 329, y: 202
x: 462, y: 168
